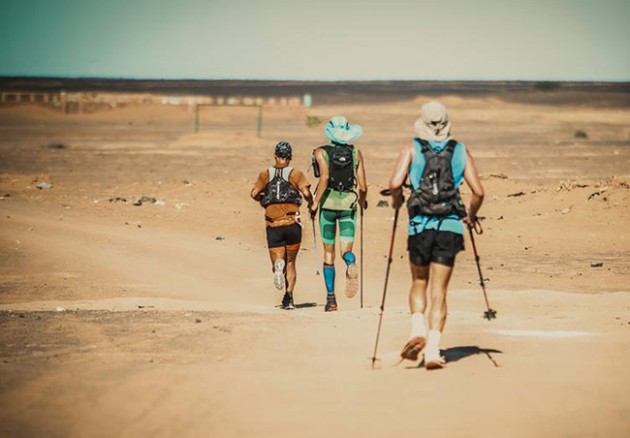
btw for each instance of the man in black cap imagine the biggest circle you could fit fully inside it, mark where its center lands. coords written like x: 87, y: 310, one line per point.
x: 280, y: 190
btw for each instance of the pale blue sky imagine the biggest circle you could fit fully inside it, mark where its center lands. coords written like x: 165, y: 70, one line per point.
x: 318, y: 39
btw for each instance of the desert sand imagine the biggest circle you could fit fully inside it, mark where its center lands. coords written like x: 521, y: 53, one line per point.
x: 161, y: 319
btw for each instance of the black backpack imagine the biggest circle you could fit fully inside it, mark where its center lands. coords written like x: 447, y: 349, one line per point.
x: 340, y: 167
x: 279, y: 190
x: 437, y: 195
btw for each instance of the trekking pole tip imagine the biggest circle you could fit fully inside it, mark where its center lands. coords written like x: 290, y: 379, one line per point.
x: 490, y: 314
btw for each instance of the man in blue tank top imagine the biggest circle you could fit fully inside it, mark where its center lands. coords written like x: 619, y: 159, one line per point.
x: 435, y: 224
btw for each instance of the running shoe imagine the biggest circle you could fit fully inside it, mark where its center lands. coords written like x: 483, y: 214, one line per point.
x: 352, y: 280
x: 434, y: 361
x: 287, y: 301
x: 413, y: 347
x: 278, y: 274
x: 331, y: 304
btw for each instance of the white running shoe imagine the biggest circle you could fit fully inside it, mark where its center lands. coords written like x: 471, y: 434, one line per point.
x: 278, y: 274
x: 434, y: 361
x: 413, y: 348
x: 352, y: 280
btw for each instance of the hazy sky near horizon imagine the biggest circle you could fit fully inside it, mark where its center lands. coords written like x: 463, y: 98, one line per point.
x: 318, y: 39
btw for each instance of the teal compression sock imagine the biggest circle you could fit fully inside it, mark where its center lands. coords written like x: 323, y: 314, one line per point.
x: 349, y: 258
x: 329, y: 278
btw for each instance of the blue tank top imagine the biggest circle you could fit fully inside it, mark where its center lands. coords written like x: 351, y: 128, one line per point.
x: 419, y: 223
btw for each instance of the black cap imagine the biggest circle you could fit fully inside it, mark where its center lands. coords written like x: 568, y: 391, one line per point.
x: 283, y: 150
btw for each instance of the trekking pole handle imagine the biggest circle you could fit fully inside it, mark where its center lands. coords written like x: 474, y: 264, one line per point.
x: 476, y: 226
x: 390, y: 192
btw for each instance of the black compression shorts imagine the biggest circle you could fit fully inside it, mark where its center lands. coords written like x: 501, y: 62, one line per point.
x: 432, y: 246
x: 289, y: 236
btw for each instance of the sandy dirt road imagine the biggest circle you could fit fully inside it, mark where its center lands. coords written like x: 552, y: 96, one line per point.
x: 161, y: 319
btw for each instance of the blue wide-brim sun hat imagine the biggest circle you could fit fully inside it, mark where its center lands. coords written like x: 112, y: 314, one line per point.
x: 338, y: 130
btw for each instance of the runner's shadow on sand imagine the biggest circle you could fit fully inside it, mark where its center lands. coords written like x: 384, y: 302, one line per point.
x: 305, y: 305
x: 300, y: 306
x: 455, y: 354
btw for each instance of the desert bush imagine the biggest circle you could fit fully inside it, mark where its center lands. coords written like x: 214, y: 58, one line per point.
x: 580, y: 134
x: 313, y: 121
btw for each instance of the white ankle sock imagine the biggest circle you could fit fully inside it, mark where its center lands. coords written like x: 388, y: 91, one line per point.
x: 418, y: 326
x: 433, y: 344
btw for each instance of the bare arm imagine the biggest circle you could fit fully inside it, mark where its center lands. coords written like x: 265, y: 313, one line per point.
x: 324, y: 174
x: 306, y: 193
x: 471, y: 176
x: 400, y: 174
x: 362, y: 182
x: 259, y: 186
x: 255, y: 193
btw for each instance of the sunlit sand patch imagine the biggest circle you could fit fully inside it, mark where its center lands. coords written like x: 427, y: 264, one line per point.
x: 544, y: 333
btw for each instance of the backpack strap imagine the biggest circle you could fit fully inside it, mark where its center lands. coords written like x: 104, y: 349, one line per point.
x: 286, y: 172
x: 327, y: 148
x: 424, y: 145
x: 450, y: 146
x: 283, y: 173
x: 271, y: 172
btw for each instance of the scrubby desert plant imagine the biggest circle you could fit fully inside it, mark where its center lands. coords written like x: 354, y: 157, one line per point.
x: 313, y: 121
x: 580, y: 134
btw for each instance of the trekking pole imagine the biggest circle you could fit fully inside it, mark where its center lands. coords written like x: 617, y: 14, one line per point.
x: 489, y: 314
x: 315, y: 257
x: 312, y: 216
x: 385, y: 192
x: 361, y: 242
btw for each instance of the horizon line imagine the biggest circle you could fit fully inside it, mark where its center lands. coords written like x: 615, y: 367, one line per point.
x: 132, y: 78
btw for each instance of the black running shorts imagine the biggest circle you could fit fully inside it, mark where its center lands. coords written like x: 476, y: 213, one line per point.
x: 432, y: 246
x: 289, y: 236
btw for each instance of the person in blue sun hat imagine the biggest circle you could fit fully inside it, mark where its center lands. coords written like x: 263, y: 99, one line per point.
x: 341, y: 171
